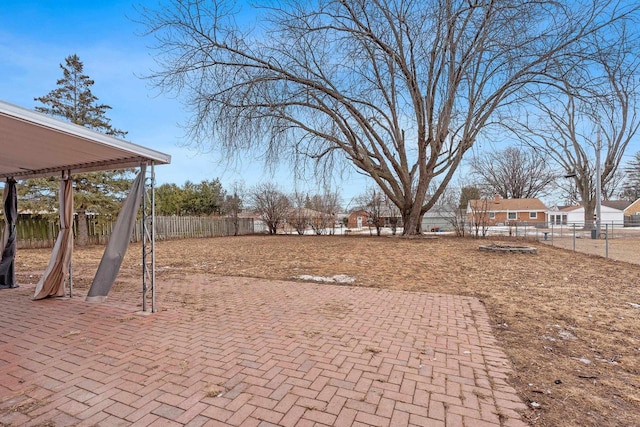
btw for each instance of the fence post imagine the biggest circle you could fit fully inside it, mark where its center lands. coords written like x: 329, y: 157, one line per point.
x: 606, y: 238
x: 552, y: 232
x: 574, y: 237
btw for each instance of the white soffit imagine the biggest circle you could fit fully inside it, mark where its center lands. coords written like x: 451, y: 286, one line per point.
x: 36, y: 145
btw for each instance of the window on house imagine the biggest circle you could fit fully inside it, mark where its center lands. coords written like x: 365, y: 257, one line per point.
x: 564, y: 219
x: 492, y: 215
x: 512, y: 215
x: 533, y: 215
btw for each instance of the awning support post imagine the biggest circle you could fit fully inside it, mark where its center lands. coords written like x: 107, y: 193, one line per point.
x: 67, y: 175
x: 148, y: 240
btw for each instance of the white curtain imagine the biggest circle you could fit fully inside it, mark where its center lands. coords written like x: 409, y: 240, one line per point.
x: 118, y: 242
x: 52, y: 282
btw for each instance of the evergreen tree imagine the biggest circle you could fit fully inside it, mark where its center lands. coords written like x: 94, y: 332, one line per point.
x: 169, y: 200
x: 631, y: 189
x: 205, y: 198
x: 466, y: 194
x: 99, y: 192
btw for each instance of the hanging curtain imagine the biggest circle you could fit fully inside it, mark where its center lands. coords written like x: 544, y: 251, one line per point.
x: 118, y: 242
x: 52, y: 281
x: 8, y: 248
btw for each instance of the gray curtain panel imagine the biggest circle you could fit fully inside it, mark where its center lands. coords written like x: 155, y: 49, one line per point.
x: 52, y: 282
x: 8, y: 248
x: 118, y: 242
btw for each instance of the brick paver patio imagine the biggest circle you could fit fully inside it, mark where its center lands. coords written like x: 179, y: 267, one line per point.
x: 250, y: 352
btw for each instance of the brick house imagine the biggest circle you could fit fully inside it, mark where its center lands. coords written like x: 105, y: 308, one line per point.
x: 360, y: 218
x: 499, y: 211
x: 632, y: 214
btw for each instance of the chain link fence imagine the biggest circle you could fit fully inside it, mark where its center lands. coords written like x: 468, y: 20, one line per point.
x: 618, y: 241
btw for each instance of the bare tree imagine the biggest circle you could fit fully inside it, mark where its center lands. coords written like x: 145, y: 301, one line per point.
x: 459, y: 222
x: 478, y: 220
x: 452, y: 206
x: 400, y: 90
x: 298, y: 216
x: 327, y: 205
x: 392, y: 215
x: 514, y: 173
x: 271, y: 204
x: 232, y: 205
x: 372, y: 202
x: 586, y: 108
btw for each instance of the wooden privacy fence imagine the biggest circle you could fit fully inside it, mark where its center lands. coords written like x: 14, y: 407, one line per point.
x: 42, y: 232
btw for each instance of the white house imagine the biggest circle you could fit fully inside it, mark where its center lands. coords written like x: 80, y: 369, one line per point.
x: 612, y: 212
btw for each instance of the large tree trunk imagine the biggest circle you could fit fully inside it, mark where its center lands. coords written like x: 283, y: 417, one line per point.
x: 589, y: 211
x: 411, y: 222
x: 83, y: 229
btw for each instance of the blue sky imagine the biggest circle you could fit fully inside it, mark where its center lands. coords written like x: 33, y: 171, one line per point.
x: 37, y: 35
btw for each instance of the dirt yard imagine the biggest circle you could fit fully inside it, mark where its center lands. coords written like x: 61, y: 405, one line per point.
x: 569, y: 322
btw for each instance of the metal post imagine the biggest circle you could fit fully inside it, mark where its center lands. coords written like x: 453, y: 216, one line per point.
x: 551, y: 234
x: 144, y: 246
x: 606, y: 236
x: 153, y: 238
x: 70, y: 281
x: 148, y: 240
x: 574, y: 237
x: 598, y: 185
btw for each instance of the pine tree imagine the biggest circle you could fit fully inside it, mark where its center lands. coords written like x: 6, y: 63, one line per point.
x: 99, y: 192
x: 631, y: 188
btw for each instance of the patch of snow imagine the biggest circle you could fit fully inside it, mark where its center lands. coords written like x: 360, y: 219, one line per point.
x: 343, y: 278
x: 634, y: 305
x: 566, y: 335
x: 338, y: 278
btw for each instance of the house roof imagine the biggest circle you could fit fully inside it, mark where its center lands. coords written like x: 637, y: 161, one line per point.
x: 34, y: 145
x: 384, y: 212
x: 616, y: 204
x: 569, y: 208
x: 496, y: 204
x: 306, y: 212
x: 620, y: 205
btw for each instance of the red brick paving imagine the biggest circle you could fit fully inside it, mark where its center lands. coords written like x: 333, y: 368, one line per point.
x: 249, y: 352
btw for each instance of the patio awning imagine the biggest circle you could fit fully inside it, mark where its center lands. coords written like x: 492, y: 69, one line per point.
x: 36, y: 145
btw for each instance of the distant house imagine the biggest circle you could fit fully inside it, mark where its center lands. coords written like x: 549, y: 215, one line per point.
x: 632, y: 214
x: 362, y: 218
x: 438, y: 218
x: 301, y: 219
x: 612, y: 212
x: 358, y: 219
x: 559, y: 215
x: 499, y: 211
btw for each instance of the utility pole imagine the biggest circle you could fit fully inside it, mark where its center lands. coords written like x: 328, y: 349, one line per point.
x: 598, y: 186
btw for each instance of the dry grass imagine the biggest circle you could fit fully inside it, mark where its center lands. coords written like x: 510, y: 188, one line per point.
x: 552, y: 312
